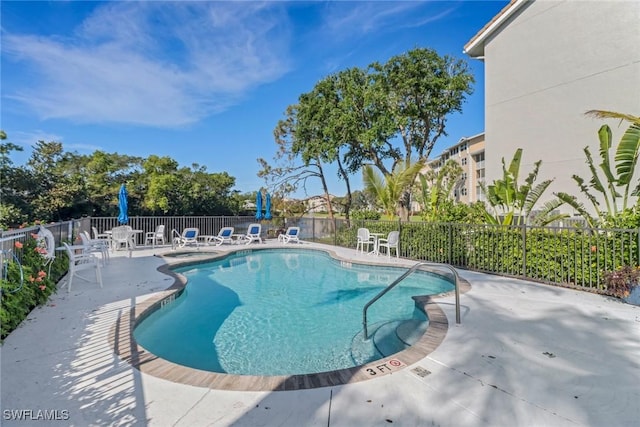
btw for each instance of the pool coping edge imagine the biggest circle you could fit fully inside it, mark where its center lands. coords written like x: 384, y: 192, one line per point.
x: 125, y: 346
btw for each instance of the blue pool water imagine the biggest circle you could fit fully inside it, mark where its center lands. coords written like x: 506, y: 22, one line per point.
x: 279, y: 312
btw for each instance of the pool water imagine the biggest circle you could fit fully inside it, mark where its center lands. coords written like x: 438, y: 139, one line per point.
x: 280, y: 312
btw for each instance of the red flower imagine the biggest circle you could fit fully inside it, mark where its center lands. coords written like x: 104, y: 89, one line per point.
x: 32, y: 279
x: 594, y: 248
x: 18, y: 245
x: 42, y: 287
x: 42, y: 274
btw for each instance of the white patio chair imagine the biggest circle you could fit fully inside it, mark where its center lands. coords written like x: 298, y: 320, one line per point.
x: 156, y: 236
x: 291, y: 235
x: 391, y: 242
x: 364, y: 239
x: 79, y: 261
x: 121, y: 237
x: 253, y: 233
x: 100, y: 246
x: 97, y: 235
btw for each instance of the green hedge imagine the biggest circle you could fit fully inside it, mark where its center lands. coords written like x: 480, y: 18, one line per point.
x: 20, y: 296
x: 566, y: 256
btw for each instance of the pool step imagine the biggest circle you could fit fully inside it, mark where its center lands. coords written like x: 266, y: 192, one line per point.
x: 387, y: 338
x: 364, y: 351
x: 396, y: 336
x: 410, y: 331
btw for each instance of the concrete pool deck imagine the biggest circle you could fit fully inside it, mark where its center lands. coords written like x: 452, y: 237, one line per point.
x: 525, y: 354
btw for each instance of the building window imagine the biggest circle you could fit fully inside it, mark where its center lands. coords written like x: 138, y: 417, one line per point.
x: 464, y: 176
x: 464, y: 161
x: 480, y: 174
x: 463, y: 191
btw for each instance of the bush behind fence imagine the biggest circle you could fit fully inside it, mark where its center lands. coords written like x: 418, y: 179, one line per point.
x: 565, y: 256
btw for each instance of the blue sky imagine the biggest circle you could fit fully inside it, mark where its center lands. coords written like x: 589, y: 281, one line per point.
x: 206, y: 82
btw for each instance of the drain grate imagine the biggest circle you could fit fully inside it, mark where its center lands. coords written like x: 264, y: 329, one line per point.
x: 420, y: 371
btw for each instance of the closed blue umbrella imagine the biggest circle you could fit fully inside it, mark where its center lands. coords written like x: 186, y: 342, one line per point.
x: 267, y: 207
x: 259, y: 206
x: 123, y: 218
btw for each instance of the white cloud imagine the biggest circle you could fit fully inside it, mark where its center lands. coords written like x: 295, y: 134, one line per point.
x: 28, y: 139
x: 344, y: 20
x: 164, y: 64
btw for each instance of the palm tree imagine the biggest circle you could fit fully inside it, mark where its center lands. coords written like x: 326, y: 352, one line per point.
x: 626, y: 159
x: 436, y: 188
x: 388, y: 190
x: 512, y: 203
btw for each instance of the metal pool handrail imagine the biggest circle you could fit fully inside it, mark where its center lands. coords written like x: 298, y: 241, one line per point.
x: 400, y: 279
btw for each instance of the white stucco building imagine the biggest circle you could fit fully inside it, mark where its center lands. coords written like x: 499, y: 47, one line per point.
x: 546, y: 64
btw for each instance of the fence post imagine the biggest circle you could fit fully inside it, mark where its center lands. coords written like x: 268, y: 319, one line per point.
x: 400, y: 236
x: 524, y: 250
x: 450, y: 251
x: 335, y: 231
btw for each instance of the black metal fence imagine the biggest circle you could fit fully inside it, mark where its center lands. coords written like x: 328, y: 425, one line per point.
x: 567, y: 256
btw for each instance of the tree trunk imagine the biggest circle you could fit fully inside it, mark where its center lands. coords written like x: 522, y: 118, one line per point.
x: 326, y: 189
x: 347, y: 205
x: 405, y: 206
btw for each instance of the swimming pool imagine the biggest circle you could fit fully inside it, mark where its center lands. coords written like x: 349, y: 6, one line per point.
x: 282, y: 312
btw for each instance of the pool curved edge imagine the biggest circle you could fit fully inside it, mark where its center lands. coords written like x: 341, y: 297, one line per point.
x: 125, y: 346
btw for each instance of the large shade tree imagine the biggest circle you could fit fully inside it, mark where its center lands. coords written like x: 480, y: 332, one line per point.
x: 56, y: 193
x: 423, y: 89
x: 301, y: 153
x: 15, y: 183
x: 58, y: 185
x: 383, y: 115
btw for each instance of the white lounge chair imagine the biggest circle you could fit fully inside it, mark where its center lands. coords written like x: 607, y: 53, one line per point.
x: 364, y: 239
x: 225, y: 235
x: 291, y: 235
x: 189, y: 236
x: 253, y: 233
x: 81, y: 260
x: 391, y: 242
x: 156, y: 236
